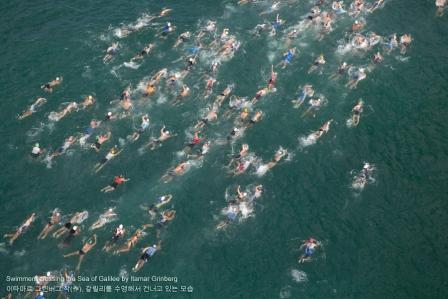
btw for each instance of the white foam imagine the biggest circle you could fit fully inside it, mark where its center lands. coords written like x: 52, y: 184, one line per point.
x: 299, y: 276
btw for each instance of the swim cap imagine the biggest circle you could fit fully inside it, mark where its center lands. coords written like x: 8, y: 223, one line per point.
x: 167, y: 132
x: 48, y: 273
x: 41, y: 293
x: 75, y: 227
x: 154, y: 245
x: 169, y: 23
x: 121, y: 226
x: 36, y: 145
x: 58, y: 214
x: 57, y: 78
x: 90, y: 97
x: 109, y: 113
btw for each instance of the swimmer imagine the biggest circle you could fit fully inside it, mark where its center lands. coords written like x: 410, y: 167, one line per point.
x: 160, y: 202
x: 78, y: 218
x: 144, y: 125
x: 209, y: 83
x: 240, y: 196
x: 88, y: 101
x: 185, y: 91
x: 132, y: 240
x: 214, y: 67
x: 108, y: 216
x: 182, y: 38
x: 168, y: 28
x: 377, y: 57
x: 405, y: 41
x: 276, y: 24
x: 164, y: 135
x: 66, y: 282
x: 33, y: 108
x: 309, y: 247
x: 243, y: 152
x: 167, y: 216
x: 342, y: 68
x: 150, y: 89
x: 110, y: 52
x: 441, y: 5
x: 232, y: 212
x: 83, y: 251
x: 338, y: 7
x: 48, y: 87
x: 22, y: 229
x: 261, y: 93
x: 324, y: 129
x: 279, y: 154
x: 356, y: 77
x: 287, y: 57
x: 113, y: 152
x: 224, y: 94
x: 165, y: 11
x: 146, y: 50
x: 377, y: 4
x: 272, y: 79
x: 236, y: 132
x: 258, y: 191
x: 147, y: 253
x: 118, y: 180
x: 109, y: 116
x: 176, y: 171
x: 196, y: 139
x: 36, y: 151
x: 58, y: 115
x: 307, y: 91
x: 255, y: 119
x: 117, y: 234
x: 318, y: 62
x: 100, y: 139
x: 244, y: 114
x: 358, y: 25
x: 392, y: 43
x: 89, y: 131
x: 211, y: 116
x: 242, y: 165
x: 68, y: 142
x: 315, y: 105
x: 353, y: 121
x: 54, y: 219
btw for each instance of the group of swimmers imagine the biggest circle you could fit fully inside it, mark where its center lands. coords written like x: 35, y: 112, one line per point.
x: 222, y: 47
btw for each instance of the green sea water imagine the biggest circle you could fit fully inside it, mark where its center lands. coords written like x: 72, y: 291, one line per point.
x: 388, y: 241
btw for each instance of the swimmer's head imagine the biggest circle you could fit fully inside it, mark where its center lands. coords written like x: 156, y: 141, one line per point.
x: 58, y: 214
x: 111, y: 209
x: 57, y: 78
x: 90, y: 97
x: 36, y: 145
x: 154, y: 245
x: 41, y: 293
x: 169, y: 24
x: 75, y: 228
x: 167, y: 132
x: 109, y: 113
x: 120, y: 226
x: 48, y: 273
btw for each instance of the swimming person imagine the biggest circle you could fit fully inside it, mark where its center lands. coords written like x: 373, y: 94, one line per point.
x: 353, y: 121
x: 100, y: 139
x: 108, y: 216
x: 118, y: 180
x: 356, y: 77
x: 83, y: 251
x: 164, y: 135
x: 144, y: 52
x: 182, y: 38
x: 324, y: 129
x: 287, y: 57
x: 147, y: 253
x: 117, y: 234
x: 113, y: 152
x: 36, y: 151
x: 318, y: 62
x: 307, y: 91
x: 309, y: 247
x: 176, y: 171
x: 54, y: 219
x: 69, y: 141
x: 143, y: 126
x: 111, y: 52
x: 78, y: 218
x: 48, y: 87
x: 22, y: 229
x: 33, y: 108
x: 160, y: 202
x: 132, y: 240
x: 405, y: 41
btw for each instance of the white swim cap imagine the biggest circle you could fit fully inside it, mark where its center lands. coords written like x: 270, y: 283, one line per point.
x: 58, y: 214
x: 121, y: 226
x: 75, y: 227
x: 109, y: 113
x: 90, y: 97
x: 154, y: 245
x: 169, y: 23
x: 57, y: 78
x: 48, y: 273
x: 41, y: 293
x: 111, y: 209
x: 167, y: 132
x: 36, y: 145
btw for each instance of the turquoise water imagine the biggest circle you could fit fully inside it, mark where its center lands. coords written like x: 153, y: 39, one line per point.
x: 388, y: 241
